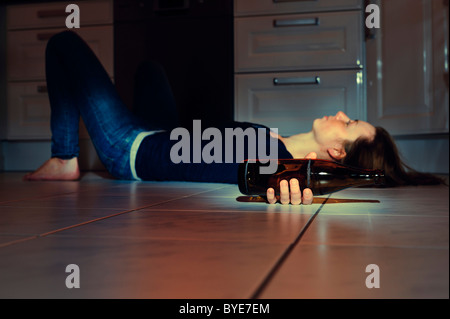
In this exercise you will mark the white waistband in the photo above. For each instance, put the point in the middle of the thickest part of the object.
(134, 149)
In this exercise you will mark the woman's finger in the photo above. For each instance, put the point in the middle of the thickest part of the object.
(311, 155)
(271, 198)
(284, 192)
(307, 196)
(296, 194)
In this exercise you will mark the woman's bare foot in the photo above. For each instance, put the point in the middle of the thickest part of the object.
(56, 169)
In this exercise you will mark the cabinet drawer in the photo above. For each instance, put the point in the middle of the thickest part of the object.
(306, 41)
(259, 7)
(291, 101)
(48, 15)
(26, 50)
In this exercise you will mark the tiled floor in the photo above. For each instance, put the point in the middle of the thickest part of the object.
(192, 240)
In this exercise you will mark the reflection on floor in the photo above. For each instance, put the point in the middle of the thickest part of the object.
(193, 240)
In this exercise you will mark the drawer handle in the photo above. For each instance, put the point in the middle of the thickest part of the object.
(42, 89)
(45, 36)
(44, 14)
(296, 23)
(315, 80)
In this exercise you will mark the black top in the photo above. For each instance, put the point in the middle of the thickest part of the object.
(153, 160)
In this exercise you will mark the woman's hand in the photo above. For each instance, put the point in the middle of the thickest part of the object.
(290, 192)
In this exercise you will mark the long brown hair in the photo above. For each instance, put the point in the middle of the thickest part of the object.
(382, 153)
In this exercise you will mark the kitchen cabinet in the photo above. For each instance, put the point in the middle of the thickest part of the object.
(299, 60)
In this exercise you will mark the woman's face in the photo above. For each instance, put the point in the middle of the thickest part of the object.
(331, 130)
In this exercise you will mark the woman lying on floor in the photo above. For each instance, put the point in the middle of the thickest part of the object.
(133, 150)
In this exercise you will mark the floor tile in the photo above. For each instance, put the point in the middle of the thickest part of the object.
(411, 200)
(339, 271)
(408, 244)
(6, 239)
(379, 230)
(134, 268)
(198, 240)
(38, 220)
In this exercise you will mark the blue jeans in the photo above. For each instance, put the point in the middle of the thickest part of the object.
(78, 85)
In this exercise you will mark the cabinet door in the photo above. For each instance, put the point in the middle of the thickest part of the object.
(28, 111)
(407, 68)
(298, 42)
(26, 50)
(292, 101)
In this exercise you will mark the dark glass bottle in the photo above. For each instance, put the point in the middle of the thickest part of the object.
(321, 176)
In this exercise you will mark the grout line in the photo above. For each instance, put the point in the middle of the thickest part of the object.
(286, 253)
(17, 241)
(36, 197)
